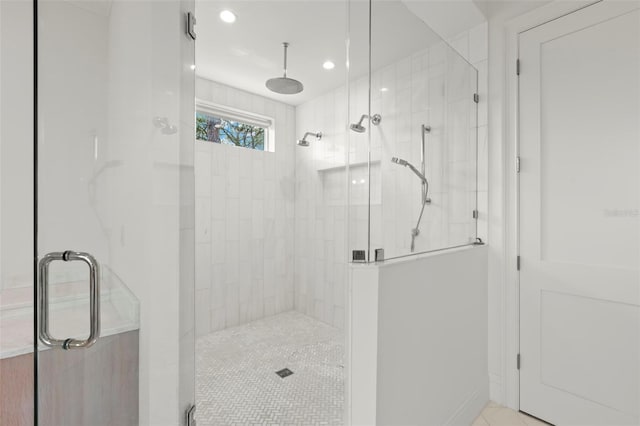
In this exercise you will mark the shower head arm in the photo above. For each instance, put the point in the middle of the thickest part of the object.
(286, 45)
(318, 135)
(375, 119)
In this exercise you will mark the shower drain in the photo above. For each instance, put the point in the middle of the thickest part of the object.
(285, 372)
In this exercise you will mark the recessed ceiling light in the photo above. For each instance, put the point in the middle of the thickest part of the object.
(228, 16)
(328, 65)
(384, 89)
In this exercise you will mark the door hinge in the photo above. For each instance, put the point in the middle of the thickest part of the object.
(476, 98)
(475, 214)
(518, 362)
(518, 164)
(191, 25)
(518, 262)
(517, 66)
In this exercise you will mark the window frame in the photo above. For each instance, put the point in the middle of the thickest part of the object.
(242, 116)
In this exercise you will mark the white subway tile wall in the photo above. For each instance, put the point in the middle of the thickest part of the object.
(244, 219)
(433, 87)
(321, 200)
(274, 225)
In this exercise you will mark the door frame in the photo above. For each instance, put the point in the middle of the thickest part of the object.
(508, 391)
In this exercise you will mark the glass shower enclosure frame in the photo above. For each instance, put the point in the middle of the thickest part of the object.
(97, 290)
(413, 144)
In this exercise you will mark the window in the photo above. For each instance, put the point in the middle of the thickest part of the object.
(229, 126)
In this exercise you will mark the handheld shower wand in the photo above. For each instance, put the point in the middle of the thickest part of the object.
(425, 183)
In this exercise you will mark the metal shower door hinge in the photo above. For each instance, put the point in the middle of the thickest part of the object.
(191, 25)
(518, 164)
(517, 66)
(518, 263)
(518, 362)
(379, 255)
(476, 98)
(475, 214)
(359, 256)
(191, 416)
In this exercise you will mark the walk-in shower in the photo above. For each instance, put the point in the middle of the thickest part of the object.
(359, 128)
(305, 142)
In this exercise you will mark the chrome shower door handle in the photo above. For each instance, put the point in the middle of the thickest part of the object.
(43, 300)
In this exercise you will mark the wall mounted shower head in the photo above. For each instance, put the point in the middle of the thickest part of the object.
(359, 128)
(305, 142)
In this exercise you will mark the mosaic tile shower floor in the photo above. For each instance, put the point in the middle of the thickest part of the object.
(237, 384)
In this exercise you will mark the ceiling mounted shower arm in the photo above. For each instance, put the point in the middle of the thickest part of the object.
(284, 85)
(286, 46)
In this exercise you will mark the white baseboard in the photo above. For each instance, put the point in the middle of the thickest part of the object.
(469, 409)
(496, 391)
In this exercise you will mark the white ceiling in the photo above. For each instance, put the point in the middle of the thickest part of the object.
(447, 18)
(248, 52)
(507, 9)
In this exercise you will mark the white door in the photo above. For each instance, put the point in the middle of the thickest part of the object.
(579, 217)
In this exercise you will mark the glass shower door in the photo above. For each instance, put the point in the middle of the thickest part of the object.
(88, 321)
(113, 196)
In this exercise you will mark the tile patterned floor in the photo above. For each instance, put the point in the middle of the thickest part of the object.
(237, 384)
(496, 415)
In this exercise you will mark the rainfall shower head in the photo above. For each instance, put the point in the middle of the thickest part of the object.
(305, 142)
(359, 128)
(284, 85)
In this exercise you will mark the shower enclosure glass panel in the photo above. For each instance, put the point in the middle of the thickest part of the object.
(422, 154)
(114, 239)
(357, 131)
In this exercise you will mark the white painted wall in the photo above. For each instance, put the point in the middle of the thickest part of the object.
(244, 218)
(421, 326)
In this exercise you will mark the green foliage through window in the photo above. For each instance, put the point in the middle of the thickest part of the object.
(220, 130)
